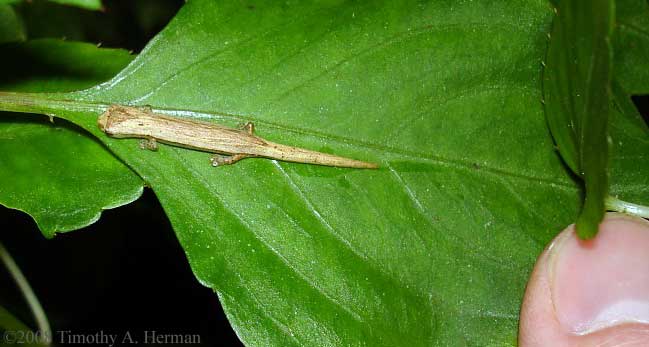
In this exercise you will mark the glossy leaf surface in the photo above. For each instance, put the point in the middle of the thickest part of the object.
(435, 247)
(54, 171)
(576, 87)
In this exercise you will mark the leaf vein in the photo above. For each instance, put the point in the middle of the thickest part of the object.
(198, 176)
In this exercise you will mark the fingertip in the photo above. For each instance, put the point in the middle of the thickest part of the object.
(596, 292)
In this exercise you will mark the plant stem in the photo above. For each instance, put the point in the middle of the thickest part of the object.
(28, 294)
(44, 103)
(54, 105)
(614, 204)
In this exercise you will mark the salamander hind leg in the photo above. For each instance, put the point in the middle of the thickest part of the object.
(149, 143)
(220, 160)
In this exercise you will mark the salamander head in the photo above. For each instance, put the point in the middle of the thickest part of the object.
(115, 116)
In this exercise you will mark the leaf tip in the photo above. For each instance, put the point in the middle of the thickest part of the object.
(586, 229)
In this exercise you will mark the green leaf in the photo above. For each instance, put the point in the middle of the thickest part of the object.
(122, 24)
(13, 329)
(9, 322)
(630, 150)
(631, 42)
(59, 175)
(11, 28)
(47, 65)
(432, 249)
(86, 4)
(576, 91)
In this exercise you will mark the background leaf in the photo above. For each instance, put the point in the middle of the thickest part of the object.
(86, 4)
(11, 28)
(576, 90)
(58, 175)
(125, 24)
(48, 65)
(630, 138)
(9, 322)
(631, 44)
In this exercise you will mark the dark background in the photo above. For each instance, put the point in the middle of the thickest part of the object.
(642, 103)
(126, 272)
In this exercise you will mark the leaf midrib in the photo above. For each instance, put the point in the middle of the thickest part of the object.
(45, 103)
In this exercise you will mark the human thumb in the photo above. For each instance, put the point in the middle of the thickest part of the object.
(590, 293)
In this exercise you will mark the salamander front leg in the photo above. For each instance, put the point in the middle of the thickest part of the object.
(220, 160)
(249, 128)
(145, 108)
